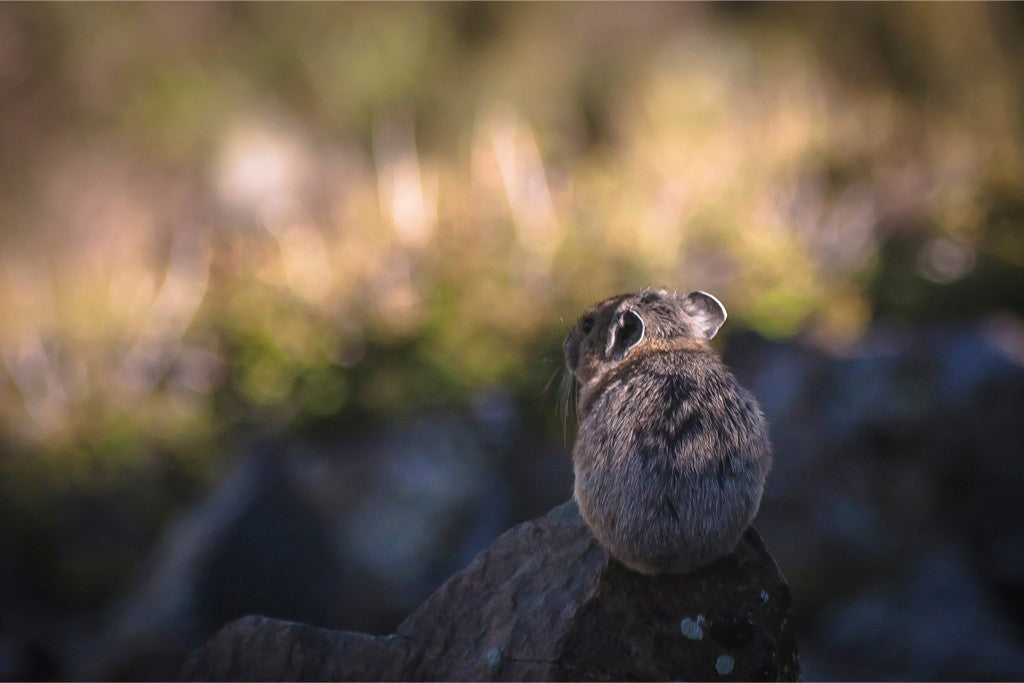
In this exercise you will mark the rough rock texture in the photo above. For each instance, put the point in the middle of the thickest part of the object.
(544, 602)
(257, 648)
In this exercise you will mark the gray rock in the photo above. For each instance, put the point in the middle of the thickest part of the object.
(939, 624)
(544, 602)
(258, 648)
(892, 454)
(293, 532)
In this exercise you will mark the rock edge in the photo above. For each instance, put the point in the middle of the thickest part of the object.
(544, 602)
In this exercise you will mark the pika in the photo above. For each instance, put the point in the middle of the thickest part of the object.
(672, 453)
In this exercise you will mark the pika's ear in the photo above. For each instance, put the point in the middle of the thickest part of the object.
(705, 310)
(627, 331)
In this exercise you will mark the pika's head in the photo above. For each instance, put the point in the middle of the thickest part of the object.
(613, 331)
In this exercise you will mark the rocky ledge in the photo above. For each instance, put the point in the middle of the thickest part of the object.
(544, 602)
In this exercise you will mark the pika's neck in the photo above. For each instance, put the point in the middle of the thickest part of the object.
(596, 385)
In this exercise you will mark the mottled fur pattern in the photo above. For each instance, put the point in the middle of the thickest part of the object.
(672, 452)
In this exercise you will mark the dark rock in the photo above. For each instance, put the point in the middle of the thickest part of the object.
(237, 552)
(902, 449)
(545, 602)
(257, 648)
(293, 532)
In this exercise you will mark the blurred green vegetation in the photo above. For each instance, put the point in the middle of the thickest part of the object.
(220, 218)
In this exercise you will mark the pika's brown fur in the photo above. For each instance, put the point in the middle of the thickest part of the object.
(672, 452)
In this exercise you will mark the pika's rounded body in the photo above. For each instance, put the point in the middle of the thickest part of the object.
(672, 453)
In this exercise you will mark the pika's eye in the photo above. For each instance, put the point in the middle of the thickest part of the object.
(587, 324)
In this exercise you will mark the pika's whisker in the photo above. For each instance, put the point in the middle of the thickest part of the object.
(567, 395)
(551, 380)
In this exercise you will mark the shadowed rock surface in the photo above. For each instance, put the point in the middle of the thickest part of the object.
(544, 602)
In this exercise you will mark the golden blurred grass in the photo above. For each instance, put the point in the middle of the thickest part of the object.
(224, 214)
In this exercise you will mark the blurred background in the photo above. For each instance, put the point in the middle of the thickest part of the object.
(283, 289)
